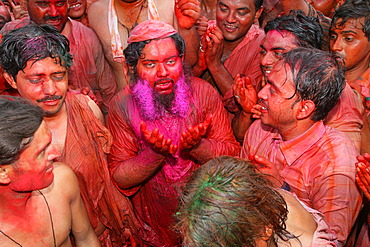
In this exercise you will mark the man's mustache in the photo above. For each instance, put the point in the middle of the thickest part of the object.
(165, 79)
(50, 98)
(52, 18)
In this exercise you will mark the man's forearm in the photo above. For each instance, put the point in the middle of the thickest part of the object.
(192, 40)
(134, 171)
(222, 78)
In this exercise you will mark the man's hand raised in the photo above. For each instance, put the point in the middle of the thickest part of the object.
(193, 135)
(187, 13)
(157, 142)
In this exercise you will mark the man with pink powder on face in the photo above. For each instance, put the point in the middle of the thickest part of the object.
(165, 124)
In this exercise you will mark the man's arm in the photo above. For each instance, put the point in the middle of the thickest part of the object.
(105, 77)
(128, 163)
(214, 52)
(82, 230)
(339, 200)
(219, 138)
(187, 14)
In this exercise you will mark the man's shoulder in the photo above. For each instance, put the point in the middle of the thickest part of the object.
(199, 84)
(81, 102)
(257, 128)
(336, 138)
(81, 30)
(98, 7)
(122, 99)
(62, 171)
(11, 25)
(98, 14)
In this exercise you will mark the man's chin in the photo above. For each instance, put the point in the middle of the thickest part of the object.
(52, 112)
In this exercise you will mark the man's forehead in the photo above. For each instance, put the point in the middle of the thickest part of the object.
(280, 38)
(280, 74)
(239, 4)
(164, 48)
(44, 66)
(354, 24)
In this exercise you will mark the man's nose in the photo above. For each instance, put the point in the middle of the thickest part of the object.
(162, 70)
(53, 10)
(336, 45)
(267, 59)
(53, 153)
(262, 94)
(231, 17)
(49, 87)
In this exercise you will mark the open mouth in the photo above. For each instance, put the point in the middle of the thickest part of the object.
(164, 85)
(230, 28)
(75, 6)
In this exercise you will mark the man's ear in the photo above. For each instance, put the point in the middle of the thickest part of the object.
(258, 14)
(4, 174)
(305, 109)
(10, 80)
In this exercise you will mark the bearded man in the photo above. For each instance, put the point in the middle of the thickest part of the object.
(154, 150)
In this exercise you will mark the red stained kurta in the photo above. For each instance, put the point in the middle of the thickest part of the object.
(155, 201)
(86, 142)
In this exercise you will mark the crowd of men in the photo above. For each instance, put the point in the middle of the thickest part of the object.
(184, 122)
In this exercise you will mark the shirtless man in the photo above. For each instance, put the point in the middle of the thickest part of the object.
(40, 199)
(113, 21)
(35, 59)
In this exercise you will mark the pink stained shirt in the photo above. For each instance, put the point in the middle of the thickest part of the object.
(245, 59)
(318, 166)
(346, 116)
(364, 83)
(155, 201)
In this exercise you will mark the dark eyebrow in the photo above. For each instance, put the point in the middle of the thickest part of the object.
(273, 84)
(274, 49)
(278, 48)
(349, 32)
(221, 3)
(154, 60)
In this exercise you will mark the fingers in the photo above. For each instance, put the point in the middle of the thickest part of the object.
(257, 111)
(173, 149)
(157, 141)
(189, 8)
(143, 128)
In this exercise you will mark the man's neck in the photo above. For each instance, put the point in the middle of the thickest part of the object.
(67, 28)
(126, 6)
(231, 45)
(356, 72)
(13, 203)
(294, 130)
